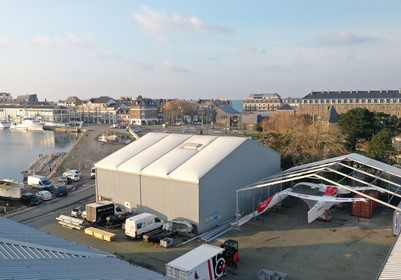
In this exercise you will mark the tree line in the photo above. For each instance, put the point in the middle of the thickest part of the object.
(300, 140)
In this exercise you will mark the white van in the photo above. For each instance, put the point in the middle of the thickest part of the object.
(41, 182)
(93, 173)
(138, 225)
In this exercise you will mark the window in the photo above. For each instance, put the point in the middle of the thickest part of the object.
(139, 225)
(157, 220)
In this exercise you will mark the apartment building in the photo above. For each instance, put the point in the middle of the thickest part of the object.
(143, 111)
(317, 103)
(262, 102)
(44, 113)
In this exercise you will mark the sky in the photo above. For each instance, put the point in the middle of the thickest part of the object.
(197, 49)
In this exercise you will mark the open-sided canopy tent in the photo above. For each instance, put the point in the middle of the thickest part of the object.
(184, 176)
(347, 171)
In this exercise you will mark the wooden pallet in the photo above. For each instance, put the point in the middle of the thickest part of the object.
(100, 234)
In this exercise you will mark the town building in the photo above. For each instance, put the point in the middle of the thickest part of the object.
(43, 113)
(317, 103)
(228, 117)
(262, 102)
(143, 111)
(292, 101)
(250, 120)
(27, 98)
(285, 109)
(193, 177)
(5, 97)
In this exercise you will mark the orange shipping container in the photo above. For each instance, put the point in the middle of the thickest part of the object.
(365, 209)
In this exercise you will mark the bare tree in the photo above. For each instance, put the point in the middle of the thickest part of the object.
(300, 141)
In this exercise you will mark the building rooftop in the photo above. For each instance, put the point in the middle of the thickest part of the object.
(182, 157)
(27, 253)
(353, 94)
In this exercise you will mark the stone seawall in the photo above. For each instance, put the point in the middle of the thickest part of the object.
(48, 164)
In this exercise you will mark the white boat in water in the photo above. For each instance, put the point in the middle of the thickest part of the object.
(28, 123)
(4, 124)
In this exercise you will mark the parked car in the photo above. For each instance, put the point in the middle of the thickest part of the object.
(74, 174)
(115, 125)
(60, 190)
(77, 211)
(63, 180)
(30, 199)
(93, 173)
(44, 195)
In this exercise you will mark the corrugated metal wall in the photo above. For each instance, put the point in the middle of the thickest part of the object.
(170, 199)
(247, 164)
(119, 187)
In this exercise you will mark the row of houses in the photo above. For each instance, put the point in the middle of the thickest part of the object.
(95, 110)
(321, 105)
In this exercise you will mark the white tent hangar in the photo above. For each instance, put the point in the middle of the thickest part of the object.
(347, 171)
(184, 176)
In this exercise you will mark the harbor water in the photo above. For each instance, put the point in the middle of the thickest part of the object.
(20, 149)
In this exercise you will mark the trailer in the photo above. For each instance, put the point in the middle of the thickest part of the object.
(156, 235)
(10, 189)
(204, 262)
(97, 212)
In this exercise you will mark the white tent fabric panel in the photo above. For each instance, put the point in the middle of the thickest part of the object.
(114, 160)
(205, 160)
(137, 163)
(176, 156)
(179, 156)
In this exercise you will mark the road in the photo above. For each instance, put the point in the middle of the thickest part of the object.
(41, 215)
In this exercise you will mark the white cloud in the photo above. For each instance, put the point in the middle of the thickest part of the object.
(251, 49)
(8, 41)
(167, 65)
(112, 57)
(70, 40)
(158, 23)
(269, 66)
(344, 38)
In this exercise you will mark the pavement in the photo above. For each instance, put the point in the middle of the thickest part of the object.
(347, 247)
(88, 149)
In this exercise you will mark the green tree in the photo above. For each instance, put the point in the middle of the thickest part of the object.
(259, 127)
(357, 124)
(381, 147)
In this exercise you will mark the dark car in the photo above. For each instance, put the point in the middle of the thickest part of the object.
(59, 190)
(30, 199)
(63, 180)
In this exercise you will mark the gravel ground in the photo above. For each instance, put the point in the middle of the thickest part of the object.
(88, 150)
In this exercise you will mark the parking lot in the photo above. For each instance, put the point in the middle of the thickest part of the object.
(346, 247)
